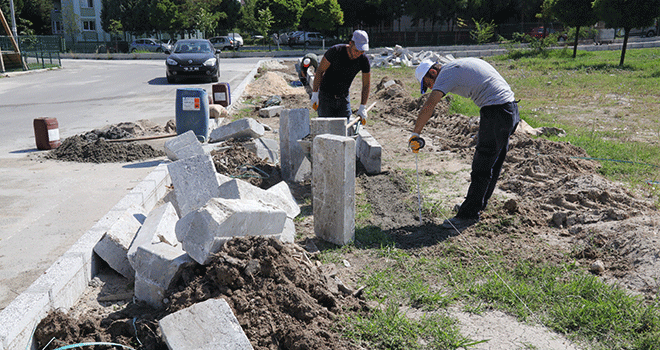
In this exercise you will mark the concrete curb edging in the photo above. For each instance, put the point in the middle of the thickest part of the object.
(66, 279)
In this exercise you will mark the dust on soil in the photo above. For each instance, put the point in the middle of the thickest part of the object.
(551, 207)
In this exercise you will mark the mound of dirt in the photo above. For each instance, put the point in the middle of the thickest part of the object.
(92, 147)
(234, 160)
(281, 299)
(79, 149)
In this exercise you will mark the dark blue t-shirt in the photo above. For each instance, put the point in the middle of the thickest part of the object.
(338, 77)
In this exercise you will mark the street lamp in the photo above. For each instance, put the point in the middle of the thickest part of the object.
(13, 19)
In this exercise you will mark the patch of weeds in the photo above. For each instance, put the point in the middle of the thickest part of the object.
(335, 255)
(372, 236)
(389, 328)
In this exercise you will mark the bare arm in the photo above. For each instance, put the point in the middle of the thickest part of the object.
(366, 84)
(323, 66)
(427, 110)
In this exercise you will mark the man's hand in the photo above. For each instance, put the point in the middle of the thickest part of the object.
(415, 142)
(362, 113)
(315, 100)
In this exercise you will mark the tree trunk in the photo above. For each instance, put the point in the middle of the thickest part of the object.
(577, 35)
(623, 48)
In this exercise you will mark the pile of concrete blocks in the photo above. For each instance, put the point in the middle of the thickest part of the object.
(202, 212)
(248, 128)
(399, 56)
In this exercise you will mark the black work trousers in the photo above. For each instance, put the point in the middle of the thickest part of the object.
(496, 124)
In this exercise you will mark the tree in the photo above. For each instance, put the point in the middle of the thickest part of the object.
(574, 13)
(285, 13)
(70, 22)
(37, 12)
(358, 13)
(627, 14)
(163, 15)
(248, 20)
(264, 22)
(322, 15)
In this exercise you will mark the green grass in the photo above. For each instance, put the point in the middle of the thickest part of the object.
(564, 298)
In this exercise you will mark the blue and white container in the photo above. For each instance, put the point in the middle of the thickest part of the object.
(192, 112)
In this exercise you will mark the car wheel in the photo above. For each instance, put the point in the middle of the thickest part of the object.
(214, 79)
(133, 50)
(650, 33)
(171, 79)
(159, 50)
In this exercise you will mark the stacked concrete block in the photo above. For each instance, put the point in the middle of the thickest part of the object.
(113, 246)
(239, 189)
(334, 126)
(18, 319)
(194, 180)
(294, 125)
(153, 187)
(207, 325)
(333, 188)
(204, 231)
(369, 152)
(270, 112)
(157, 227)
(243, 128)
(183, 146)
(264, 148)
(279, 196)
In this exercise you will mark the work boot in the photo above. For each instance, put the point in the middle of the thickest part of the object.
(459, 224)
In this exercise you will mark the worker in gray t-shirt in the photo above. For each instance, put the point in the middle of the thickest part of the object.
(475, 79)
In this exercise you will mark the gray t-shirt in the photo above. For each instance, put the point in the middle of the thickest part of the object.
(475, 79)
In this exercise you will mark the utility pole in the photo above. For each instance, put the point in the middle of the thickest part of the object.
(13, 19)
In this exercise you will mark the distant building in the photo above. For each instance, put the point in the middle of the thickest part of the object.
(78, 20)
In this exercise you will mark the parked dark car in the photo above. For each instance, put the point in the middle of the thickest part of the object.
(224, 43)
(192, 58)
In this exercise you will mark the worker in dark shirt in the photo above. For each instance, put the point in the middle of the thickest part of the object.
(339, 66)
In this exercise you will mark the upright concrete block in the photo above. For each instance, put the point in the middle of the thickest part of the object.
(369, 152)
(209, 325)
(194, 182)
(294, 125)
(239, 189)
(243, 128)
(334, 126)
(264, 148)
(113, 246)
(204, 231)
(333, 188)
(183, 146)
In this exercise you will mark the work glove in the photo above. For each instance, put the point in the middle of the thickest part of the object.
(362, 113)
(315, 100)
(415, 142)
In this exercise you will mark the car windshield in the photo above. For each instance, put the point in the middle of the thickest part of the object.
(192, 47)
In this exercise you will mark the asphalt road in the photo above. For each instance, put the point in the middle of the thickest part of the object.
(45, 206)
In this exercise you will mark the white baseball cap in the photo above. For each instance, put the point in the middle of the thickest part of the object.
(421, 71)
(306, 62)
(361, 40)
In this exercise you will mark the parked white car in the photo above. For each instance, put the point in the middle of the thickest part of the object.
(237, 38)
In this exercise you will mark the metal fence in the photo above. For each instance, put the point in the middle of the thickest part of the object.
(37, 51)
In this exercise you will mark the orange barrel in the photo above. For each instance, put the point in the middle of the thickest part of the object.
(46, 133)
(221, 94)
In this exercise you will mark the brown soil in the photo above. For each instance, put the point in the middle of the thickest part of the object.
(93, 146)
(551, 207)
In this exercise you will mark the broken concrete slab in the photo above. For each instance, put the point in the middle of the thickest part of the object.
(239, 189)
(369, 151)
(157, 227)
(204, 231)
(333, 188)
(334, 126)
(183, 146)
(209, 325)
(294, 125)
(156, 266)
(113, 246)
(242, 128)
(270, 112)
(265, 148)
(194, 183)
(217, 111)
